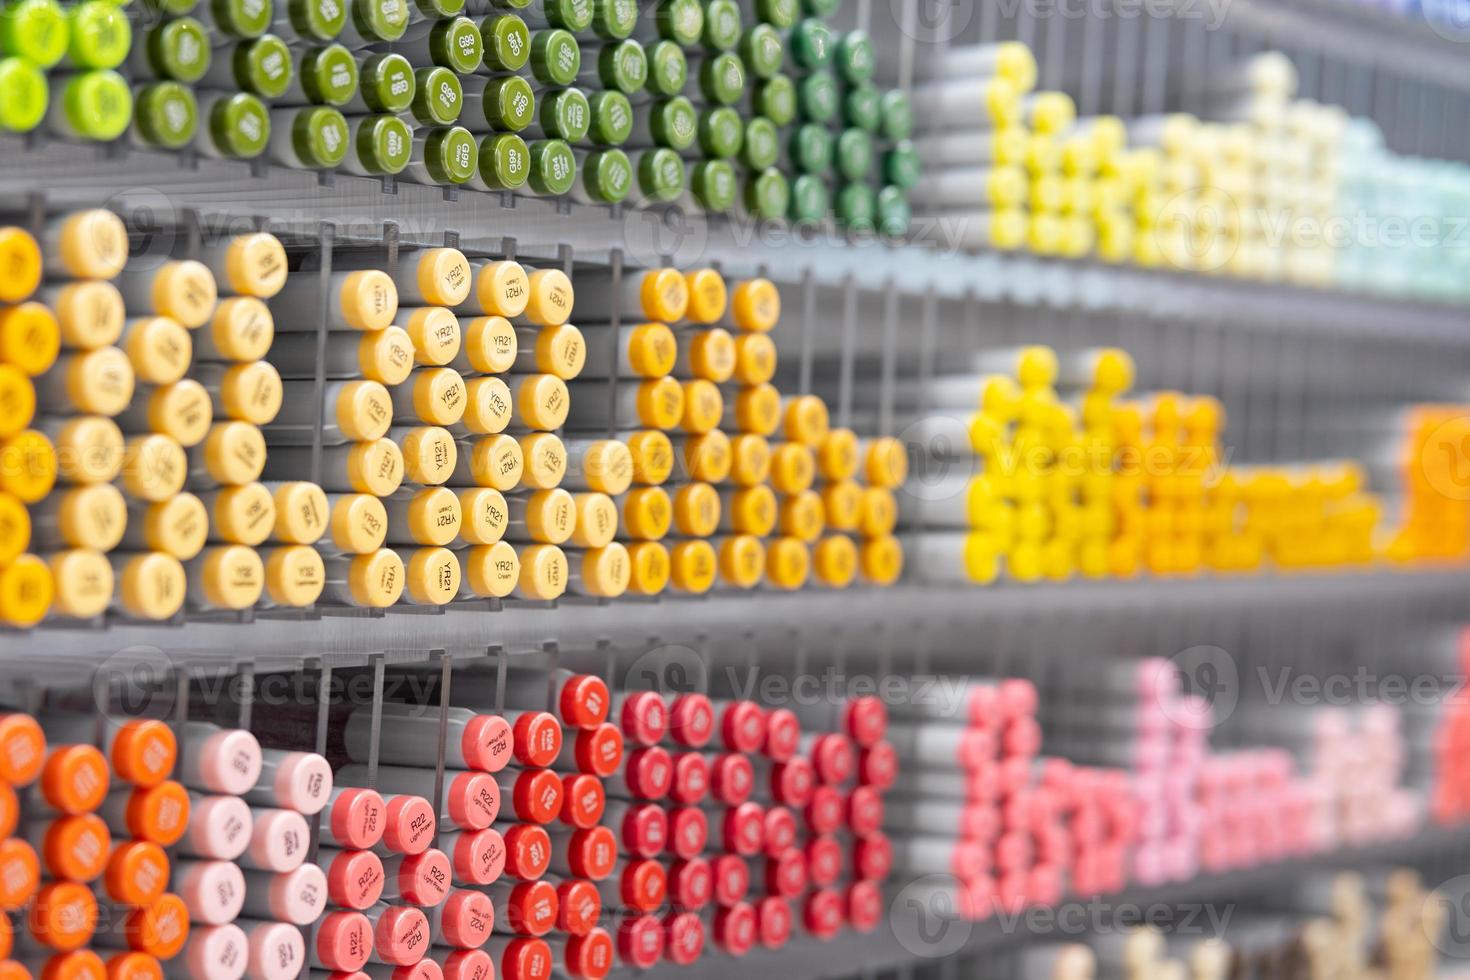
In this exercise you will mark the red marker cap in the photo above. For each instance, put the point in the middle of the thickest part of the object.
(878, 765)
(487, 743)
(401, 935)
(537, 738)
(526, 958)
(532, 908)
(872, 857)
(599, 750)
(832, 756)
(774, 915)
(640, 941)
(691, 720)
(579, 906)
(735, 928)
(786, 873)
(1015, 775)
(732, 878)
(422, 970)
(823, 860)
(645, 830)
(592, 853)
(691, 883)
(536, 796)
(409, 824)
(355, 879)
(783, 734)
(468, 918)
(423, 879)
(644, 717)
(643, 885)
(825, 812)
(527, 851)
(688, 831)
(590, 956)
(474, 800)
(732, 778)
(683, 937)
(743, 727)
(691, 778)
(479, 857)
(582, 800)
(22, 749)
(469, 964)
(792, 782)
(344, 940)
(865, 720)
(584, 701)
(865, 810)
(780, 830)
(864, 905)
(1016, 697)
(357, 818)
(649, 773)
(824, 913)
(744, 828)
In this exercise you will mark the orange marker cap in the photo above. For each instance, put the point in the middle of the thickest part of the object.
(160, 814)
(75, 848)
(22, 873)
(711, 354)
(22, 749)
(753, 510)
(18, 398)
(137, 873)
(9, 813)
(160, 929)
(63, 916)
(660, 403)
(81, 964)
(144, 751)
(134, 966)
(75, 778)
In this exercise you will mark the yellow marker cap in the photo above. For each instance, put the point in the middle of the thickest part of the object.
(693, 566)
(842, 504)
(487, 406)
(742, 560)
(497, 462)
(750, 460)
(1052, 112)
(294, 575)
(429, 455)
(159, 348)
(234, 452)
(443, 276)
(20, 264)
(151, 585)
(652, 350)
(707, 295)
(886, 463)
(242, 328)
(483, 513)
(696, 510)
(607, 465)
(1036, 366)
(756, 305)
(26, 589)
(154, 467)
(663, 295)
(376, 466)
(30, 337)
(359, 523)
(542, 400)
(835, 561)
(649, 568)
(89, 449)
(803, 515)
(596, 522)
(982, 558)
(251, 392)
(432, 576)
(711, 354)
(549, 302)
(182, 410)
(490, 344)
(1024, 562)
(806, 420)
(89, 313)
(606, 571)
(435, 334)
(255, 265)
(184, 290)
(546, 460)
(434, 516)
(386, 356)
(1008, 227)
(837, 455)
(653, 457)
(755, 358)
(15, 527)
(1000, 397)
(753, 510)
(368, 299)
(881, 559)
(1016, 64)
(880, 512)
(793, 467)
(492, 570)
(1005, 187)
(178, 526)
(438, 396)
(98, 381)
(363, 410)
(647, 513)
(84, 582)
(376, 579)
(301, 513)
(788, 562)
(550, 516)
(660, 403)
(560, 350)
(244, 514)
(543, 574)
(502, 288)
(93, 244)
(707, 457)
(758, 409)
(704, 406)
(27, 466)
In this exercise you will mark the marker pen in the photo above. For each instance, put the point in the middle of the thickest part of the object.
(598, 750)
(62, 917)
(590, 853)
(417, 879)
(250, 392)
(603, 571)
(244, 514)
(232, 453)
(374, 467)
(73, 779)
(495, 461)
(354, 879)
(141, 751)
(159, 929)
(86, 244)
(359, 299)
(579, 906)
(733, 928)
(136, 873)
(731, 778)
(642, 828)
(640, 941)
(410, 737)
(654, 404)
(385, 356)
(71, 848)
(429, 453)
(470, 800)
(225, 577)
(463, 921)
(478, 857)
(546, 516)
(213, 891)
(543, 573)
(354, 411)
(429, 516)
(536, 796)
(560, 351)
(23, 875)
(159, 349)
(183, 290)
(297, 897)
(159, 814)
(400, 934)
(344, 942)
(94, 382)
(528, 908)
(520, 957)
(134, 966)
(583, 800)
(434, 395)
(489, 346)
(216, 827)
(279, 840)
(647, 774)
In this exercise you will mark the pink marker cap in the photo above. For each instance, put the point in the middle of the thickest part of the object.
(732, 778)
(644, 717)
(640, 941)
(299, 896)
(219, 826)
(824, 860)
(355, 879)
(303, 782)
(213, 891)
(425, 969)
(645, 830)
(536, 796)
(410, 824)
(469, 964)
(983, 705)
(592, 853)
(215, 951)
(1012, 851)
(277, 951)
(865, 720)
(229, 761)
(688, 831)
(1021, 737)
(579, 906)
(584, 701)
(643, 885)
(872, 857)
(401, 936)
(968, 860)
(878, 765)
(486, 743)
(582, 800)
(344, 940)
(743, 727)
(864, 905)
(977, 747)
(1017, 697)
(824, 913)
(691, 778)
(590, 957)
(774, 914)
(865, 810)
(526, 958)
(691, 720)
(599, 750)
(744, 828)
(1015, 775)
(832, 756)
(423, 879)
(783, 734)
(825, 811)
(780, 829)
(357, 818)
(649, 773)
(691, 883)
(792, 782)
(280, 840)
(478, 857)
(531, 908)
(786, 873)
(735, 928)
(683, 937)
(467, 919)
(474, 800)
(732, 878)
(537, 738)
(527, 851)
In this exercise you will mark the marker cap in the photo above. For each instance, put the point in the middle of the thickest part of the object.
(865, 810)
(647, 513)
(693, 566)
(467, 920)
(63, 916)
(401, 935)
(690, 778)
(160, 814)
(159, 928)
(743, 828)
(359, 523)
(743, 726)
(590, 956)
(532, 908)
(537, 738)
(643, 885)
(653, 457)
(644, 830)
(429, 455)
(543, 572)
(537, 796)
(583, 800)
(664, 295)
(545, 460)
(599, 750)
(649, 568)
(758, 409)
(409, 825)
(649, 772)
(375, 467)
(872, 857)
(732, 778)
(344, 941)
(592, 853)
(780, 828)
(299, 896)
(234, 452)
(133, 966)
(696, 510)
(579, 905)
(734, 928)
(75, 848)
(23, 873)
(660, 403)
(640, 941)
(688, 831)
(355, 879)
(526, 958)
(74, 779)
(825, 810)
(644, 717)
(30, 337)
(528, 851)
(22, 749)
(584, 701)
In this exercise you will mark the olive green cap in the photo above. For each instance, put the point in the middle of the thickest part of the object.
(387, 83)
(263, 66)
(668, 68)
(780, 14)
(816, 97)
(811, 44)
(569, 15)
(721, 25)
(24, 95)
(319, 137)
(767, 195)
(761, 147)
(435, 9)
(862, 107)
(811, 149)
(614, 20)
(810, 199)
(384, 144)
(321, 20)
(329, 75)
(901, 165)
(99, 34)
(505, 162)
(854, 154)
(762, 51)
(612, 118)
(660, 174)
(240, 126)
(379, 20)
(509, 103)
(673, 122)
(856, 60)
(680, 21)
(454, 43)
(553, 167)
(450, 154)
(720, 132)
(722, 78)
(713, 184)
(894, 213)
(178, 49)
(857, 206)
(166, 114)
(623, 66)
(607, 176)
(98, 105)
(565, 115)
(775, 98)
(438, 96)
(898, 116)
(35, 30)
(506, 42)
(555, 57)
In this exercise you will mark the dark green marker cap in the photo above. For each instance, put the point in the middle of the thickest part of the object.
(263, 66)
(811, 149)
(668, 68)
(673, 122)
(505, 162)
(509, 103)
(816, 97)
(761, 147)
(435, 9)
(565, 115)
(612, 118)
(898, 116)
(780, 14)
(623, 66)
(166, 114)
(179, 49)
(680, 21)
(821, 8)
(856, 60)
(329, 75)
(767, 195)
(384, 144)
(454, 43)
(319, 137)
(720, 132)
(450, 154)
(775, 98)
(240, 126)
(553, 167)
(555, 57)
(854, 154)
(386, 82)
(862, 107)
(713, 184)
(613, 20)
(762, 50)
(660, 174)
(901, 165)
(569, 15)
(721, 25)
(438, 96)
(507, 42)
(722, 78)
(607, 176)
(857, 206)
(894, 213)
(811, 44)
(320, 20)
(810, 199)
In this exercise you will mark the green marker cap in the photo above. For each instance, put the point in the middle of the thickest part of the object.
(513, 4)
(857, 206)
(668, 68)
(98, 104)
(240, 126)
(435, 9)
(767, 195)
(321, 20)
(176, 8)
(509, 103)
(319, 137)
(821, 8)
(569, 15)
(811, 44)
(623, 66)
(680, 21)
(607, 176)
(565, 115)
(894, 213)
(387, 83)
(438, 97)
(166, 114)
(99, 34)
(721, 25)
(816, 97)
(451, 155)
(555, 57)
(762, 144)
(505, 163)
(901, 165)
(553, 167)
(713, 184)
(811, 149)
(329, 75)
(898, 116)
(775, 98)
(178, 49)
(263, 66)
(660, 174)
(722, 78)
(238, 18)
(379, 20)
(720, 132)
(862, 107)
(35, 30)
(506, 41)
(780, 14)
(856, 60)
(673, 123)
(454, 43)
(810, 199)
(612, 118)
(762, 50)
(614, 20)
(384, 144)
(854, 154)
(23, 95)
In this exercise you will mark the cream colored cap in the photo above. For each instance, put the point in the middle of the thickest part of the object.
(184, 290)
(363, 410)
(154, 467)
(606, 571)
(543, 574)
(92, 516)
(439, 396)
(242, 328)
(178, 526)
(742, 559)
(376, 466)
(487, 406)
(359, 523)
(368, 299)
(243, 515)
(560, 350)
(251, 392)
(151, 585)
(93, 244)
(89, 449)
(755, 358)
(90, 314)
(483, 515)
(596, 521)
(707, 457)
(160, 349)
(234, 452)
(433, 576)
(232, 576)
(549, 302)
(294, 575)
(443, 276)
(704, 406)
(696, 510)
(301, 513)
(497, 461)
(84, 582)
(546, 460)
(255, 265)
(542, 400)
(550, 516)
(607, 466)
(98, 381)
(490, 344)
(503, 288)
(182, 410)
(653, 457)
(376, 579)
(386, 355)
(435, 334)
(429, 455)
(664, 295)
(492, 570)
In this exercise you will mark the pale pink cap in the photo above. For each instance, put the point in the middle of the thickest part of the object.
(401, 936)
(280, 840)
(299, 896)
(410, 826)
(228, 761)
(219, 827)
(303, 782)
(277, 951)
(213, 891)
(217, 953)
